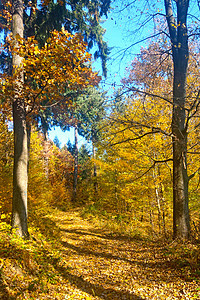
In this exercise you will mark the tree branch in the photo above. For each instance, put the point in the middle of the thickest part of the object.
(193, 174)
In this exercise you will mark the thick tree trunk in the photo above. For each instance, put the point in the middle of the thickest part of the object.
(74, 199)
(181, 226)
(180, 52)
(20, 176)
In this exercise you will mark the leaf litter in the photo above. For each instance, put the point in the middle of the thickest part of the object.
(86, 261)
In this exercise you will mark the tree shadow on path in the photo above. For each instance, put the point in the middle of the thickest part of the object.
(83, 251)
(96, 289)
(174, 266)
(98, 233)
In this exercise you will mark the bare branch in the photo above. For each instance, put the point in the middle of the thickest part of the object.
(139, 177)
(138, 42)
(193, 152)
(152, 166)
(133, 139)
(129, 4)
(133, 89)
(193, 174)
(163, 160)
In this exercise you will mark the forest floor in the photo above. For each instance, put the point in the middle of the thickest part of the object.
(80, 260)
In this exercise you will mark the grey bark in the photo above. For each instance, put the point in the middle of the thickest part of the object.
(20, 176)
(74, 199)
(180, 53)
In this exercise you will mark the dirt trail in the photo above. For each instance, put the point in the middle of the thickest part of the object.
(102, 266)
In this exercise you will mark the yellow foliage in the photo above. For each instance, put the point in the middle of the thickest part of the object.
(50, 181)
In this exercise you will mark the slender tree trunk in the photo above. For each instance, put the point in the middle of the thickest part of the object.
(151, 216)
(116, 196)
(159, 208)
(180, 53)
(95, 171)
(46, 154)
(162, 202)
(155, 178)
(75, 164)
(20, 176)
(159, 199)
(28, 130)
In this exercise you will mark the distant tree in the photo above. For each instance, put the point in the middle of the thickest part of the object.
(57, 142)
(86, 115)
(84, 162)
(85, 190)
(92, 113)
(70, 147)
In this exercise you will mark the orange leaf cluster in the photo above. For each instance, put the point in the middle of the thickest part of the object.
(62, 64)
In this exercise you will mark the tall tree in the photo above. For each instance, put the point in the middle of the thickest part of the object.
(176, 19)
(180, 53)
(20, 172)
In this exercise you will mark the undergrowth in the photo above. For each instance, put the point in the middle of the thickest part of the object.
(120, 223)
(29, 269)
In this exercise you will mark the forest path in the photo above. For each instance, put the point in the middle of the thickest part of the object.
(99, 265)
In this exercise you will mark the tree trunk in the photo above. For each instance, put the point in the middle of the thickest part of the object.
(75, 164)
(20, 176)
(95, 171)
(159, 199)
(28, 130)
(180, 53)
(46, 154)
